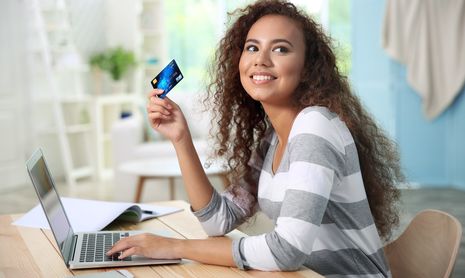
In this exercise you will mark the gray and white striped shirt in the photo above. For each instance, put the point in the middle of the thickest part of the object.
(317, 200)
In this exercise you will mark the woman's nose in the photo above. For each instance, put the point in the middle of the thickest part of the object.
(262, 59)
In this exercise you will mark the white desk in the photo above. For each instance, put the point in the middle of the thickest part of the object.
(164, 168)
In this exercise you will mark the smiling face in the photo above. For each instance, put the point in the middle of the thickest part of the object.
(272, 60)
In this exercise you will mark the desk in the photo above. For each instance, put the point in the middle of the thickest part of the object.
(166, 168)
(29, 252)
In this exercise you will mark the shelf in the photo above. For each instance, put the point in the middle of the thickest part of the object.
(57, 28)
(148, 42)
(151, 1)
(52, 9)
(79, 128)
(64, 99)
(151, 33)
(60, 108)
(77, 99)
(152, 67)
(82, 172)
(47, 130)
(54, 49)
(82, 68)
(110, 99)
(71, 129)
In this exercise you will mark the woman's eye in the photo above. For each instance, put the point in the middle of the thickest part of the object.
(251, 48)
(281, 49)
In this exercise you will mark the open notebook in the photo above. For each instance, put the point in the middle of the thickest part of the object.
(92, 215)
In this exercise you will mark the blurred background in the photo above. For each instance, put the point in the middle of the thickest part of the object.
(74, 75)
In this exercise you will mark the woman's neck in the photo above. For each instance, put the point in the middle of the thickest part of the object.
(281, 118)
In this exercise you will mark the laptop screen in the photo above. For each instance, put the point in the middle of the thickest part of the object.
(45, 188)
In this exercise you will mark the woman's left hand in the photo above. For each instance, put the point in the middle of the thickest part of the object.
(147, 245)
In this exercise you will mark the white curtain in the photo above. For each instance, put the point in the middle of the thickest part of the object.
(15, 121)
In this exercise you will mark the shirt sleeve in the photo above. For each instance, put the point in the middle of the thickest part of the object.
(221, 215)
(316, 160)
(228, 210)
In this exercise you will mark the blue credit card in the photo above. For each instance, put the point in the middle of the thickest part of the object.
(167, 78)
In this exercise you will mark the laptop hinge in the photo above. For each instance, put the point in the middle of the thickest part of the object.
(73, 249)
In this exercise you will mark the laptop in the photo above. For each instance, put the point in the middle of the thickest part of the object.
(78, 250)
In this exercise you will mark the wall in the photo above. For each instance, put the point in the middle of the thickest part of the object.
(432, 152)
(370, 65)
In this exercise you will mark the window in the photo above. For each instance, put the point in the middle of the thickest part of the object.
(194, 28)
(340, 30)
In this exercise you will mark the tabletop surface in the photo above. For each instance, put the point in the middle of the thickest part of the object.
(30, 252)
(167, 167)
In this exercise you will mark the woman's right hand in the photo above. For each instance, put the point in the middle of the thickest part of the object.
(166, 117)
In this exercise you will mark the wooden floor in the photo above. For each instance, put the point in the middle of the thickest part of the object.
(413, 200)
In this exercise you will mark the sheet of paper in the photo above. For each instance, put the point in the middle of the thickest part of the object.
(88, 215)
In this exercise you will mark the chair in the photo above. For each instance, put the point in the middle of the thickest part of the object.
(427, 248)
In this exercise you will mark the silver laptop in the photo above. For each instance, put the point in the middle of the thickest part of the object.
(78, 250)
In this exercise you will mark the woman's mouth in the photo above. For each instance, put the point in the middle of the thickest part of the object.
(262, 78)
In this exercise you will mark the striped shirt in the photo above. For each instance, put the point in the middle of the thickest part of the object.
(316, 199)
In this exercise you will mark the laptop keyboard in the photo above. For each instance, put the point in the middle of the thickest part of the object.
(94, 247)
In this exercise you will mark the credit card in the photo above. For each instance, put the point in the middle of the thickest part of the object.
(167, 78)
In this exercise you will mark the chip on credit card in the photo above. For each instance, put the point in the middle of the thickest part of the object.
(167, 78)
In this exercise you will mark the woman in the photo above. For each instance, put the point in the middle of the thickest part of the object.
(302, 150)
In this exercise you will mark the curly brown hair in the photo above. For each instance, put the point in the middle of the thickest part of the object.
(242, 121)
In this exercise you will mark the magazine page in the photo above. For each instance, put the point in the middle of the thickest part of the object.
(91, 215)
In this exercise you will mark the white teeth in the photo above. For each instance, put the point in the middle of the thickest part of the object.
(262, 77)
